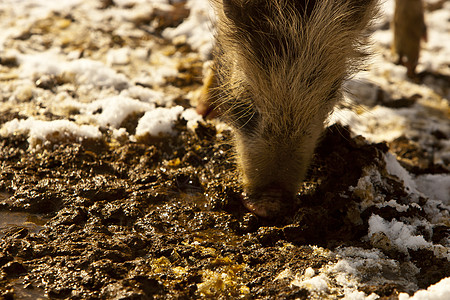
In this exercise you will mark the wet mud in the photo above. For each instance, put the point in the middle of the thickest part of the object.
(164, 220)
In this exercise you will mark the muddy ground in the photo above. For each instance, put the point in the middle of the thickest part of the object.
(162, 218)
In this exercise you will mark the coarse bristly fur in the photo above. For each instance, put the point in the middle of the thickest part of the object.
(279, 67)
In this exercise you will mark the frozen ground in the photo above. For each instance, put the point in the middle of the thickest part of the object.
(106, 69)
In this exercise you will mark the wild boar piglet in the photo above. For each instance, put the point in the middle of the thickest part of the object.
(278, 71)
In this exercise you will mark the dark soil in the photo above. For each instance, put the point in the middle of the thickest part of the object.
(163, 219)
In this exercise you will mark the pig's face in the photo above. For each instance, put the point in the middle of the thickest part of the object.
(274, 148)
(279, 68)
(273, 165)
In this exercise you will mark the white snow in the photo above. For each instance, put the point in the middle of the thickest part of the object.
(198, 28)
(40, 131)
(192, 117)
(394, 168)
(394, 204)
(435, 186)
(438, 291)
(88, 72)
(401, 235)
(146, 95)
(317, 283)
(113, 110)
(343, 277)
(118, 56)
(158, 122)
(377, 125)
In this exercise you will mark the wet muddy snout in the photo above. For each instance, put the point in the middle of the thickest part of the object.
(269, 202)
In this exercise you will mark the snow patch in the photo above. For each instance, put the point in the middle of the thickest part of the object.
(198, 27)
(86, 71)
(158, 122)
(114, 110)
(438, 291)
(394, 168)
(397, 235)
(40, 131)
(435, 186)
(401, 235)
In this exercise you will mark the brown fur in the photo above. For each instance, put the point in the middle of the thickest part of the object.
(280, 65)
(409, 28)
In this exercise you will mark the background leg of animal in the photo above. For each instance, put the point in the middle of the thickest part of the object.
(280, 65)
(409, 28)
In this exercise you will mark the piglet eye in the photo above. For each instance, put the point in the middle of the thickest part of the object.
(245, 117)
